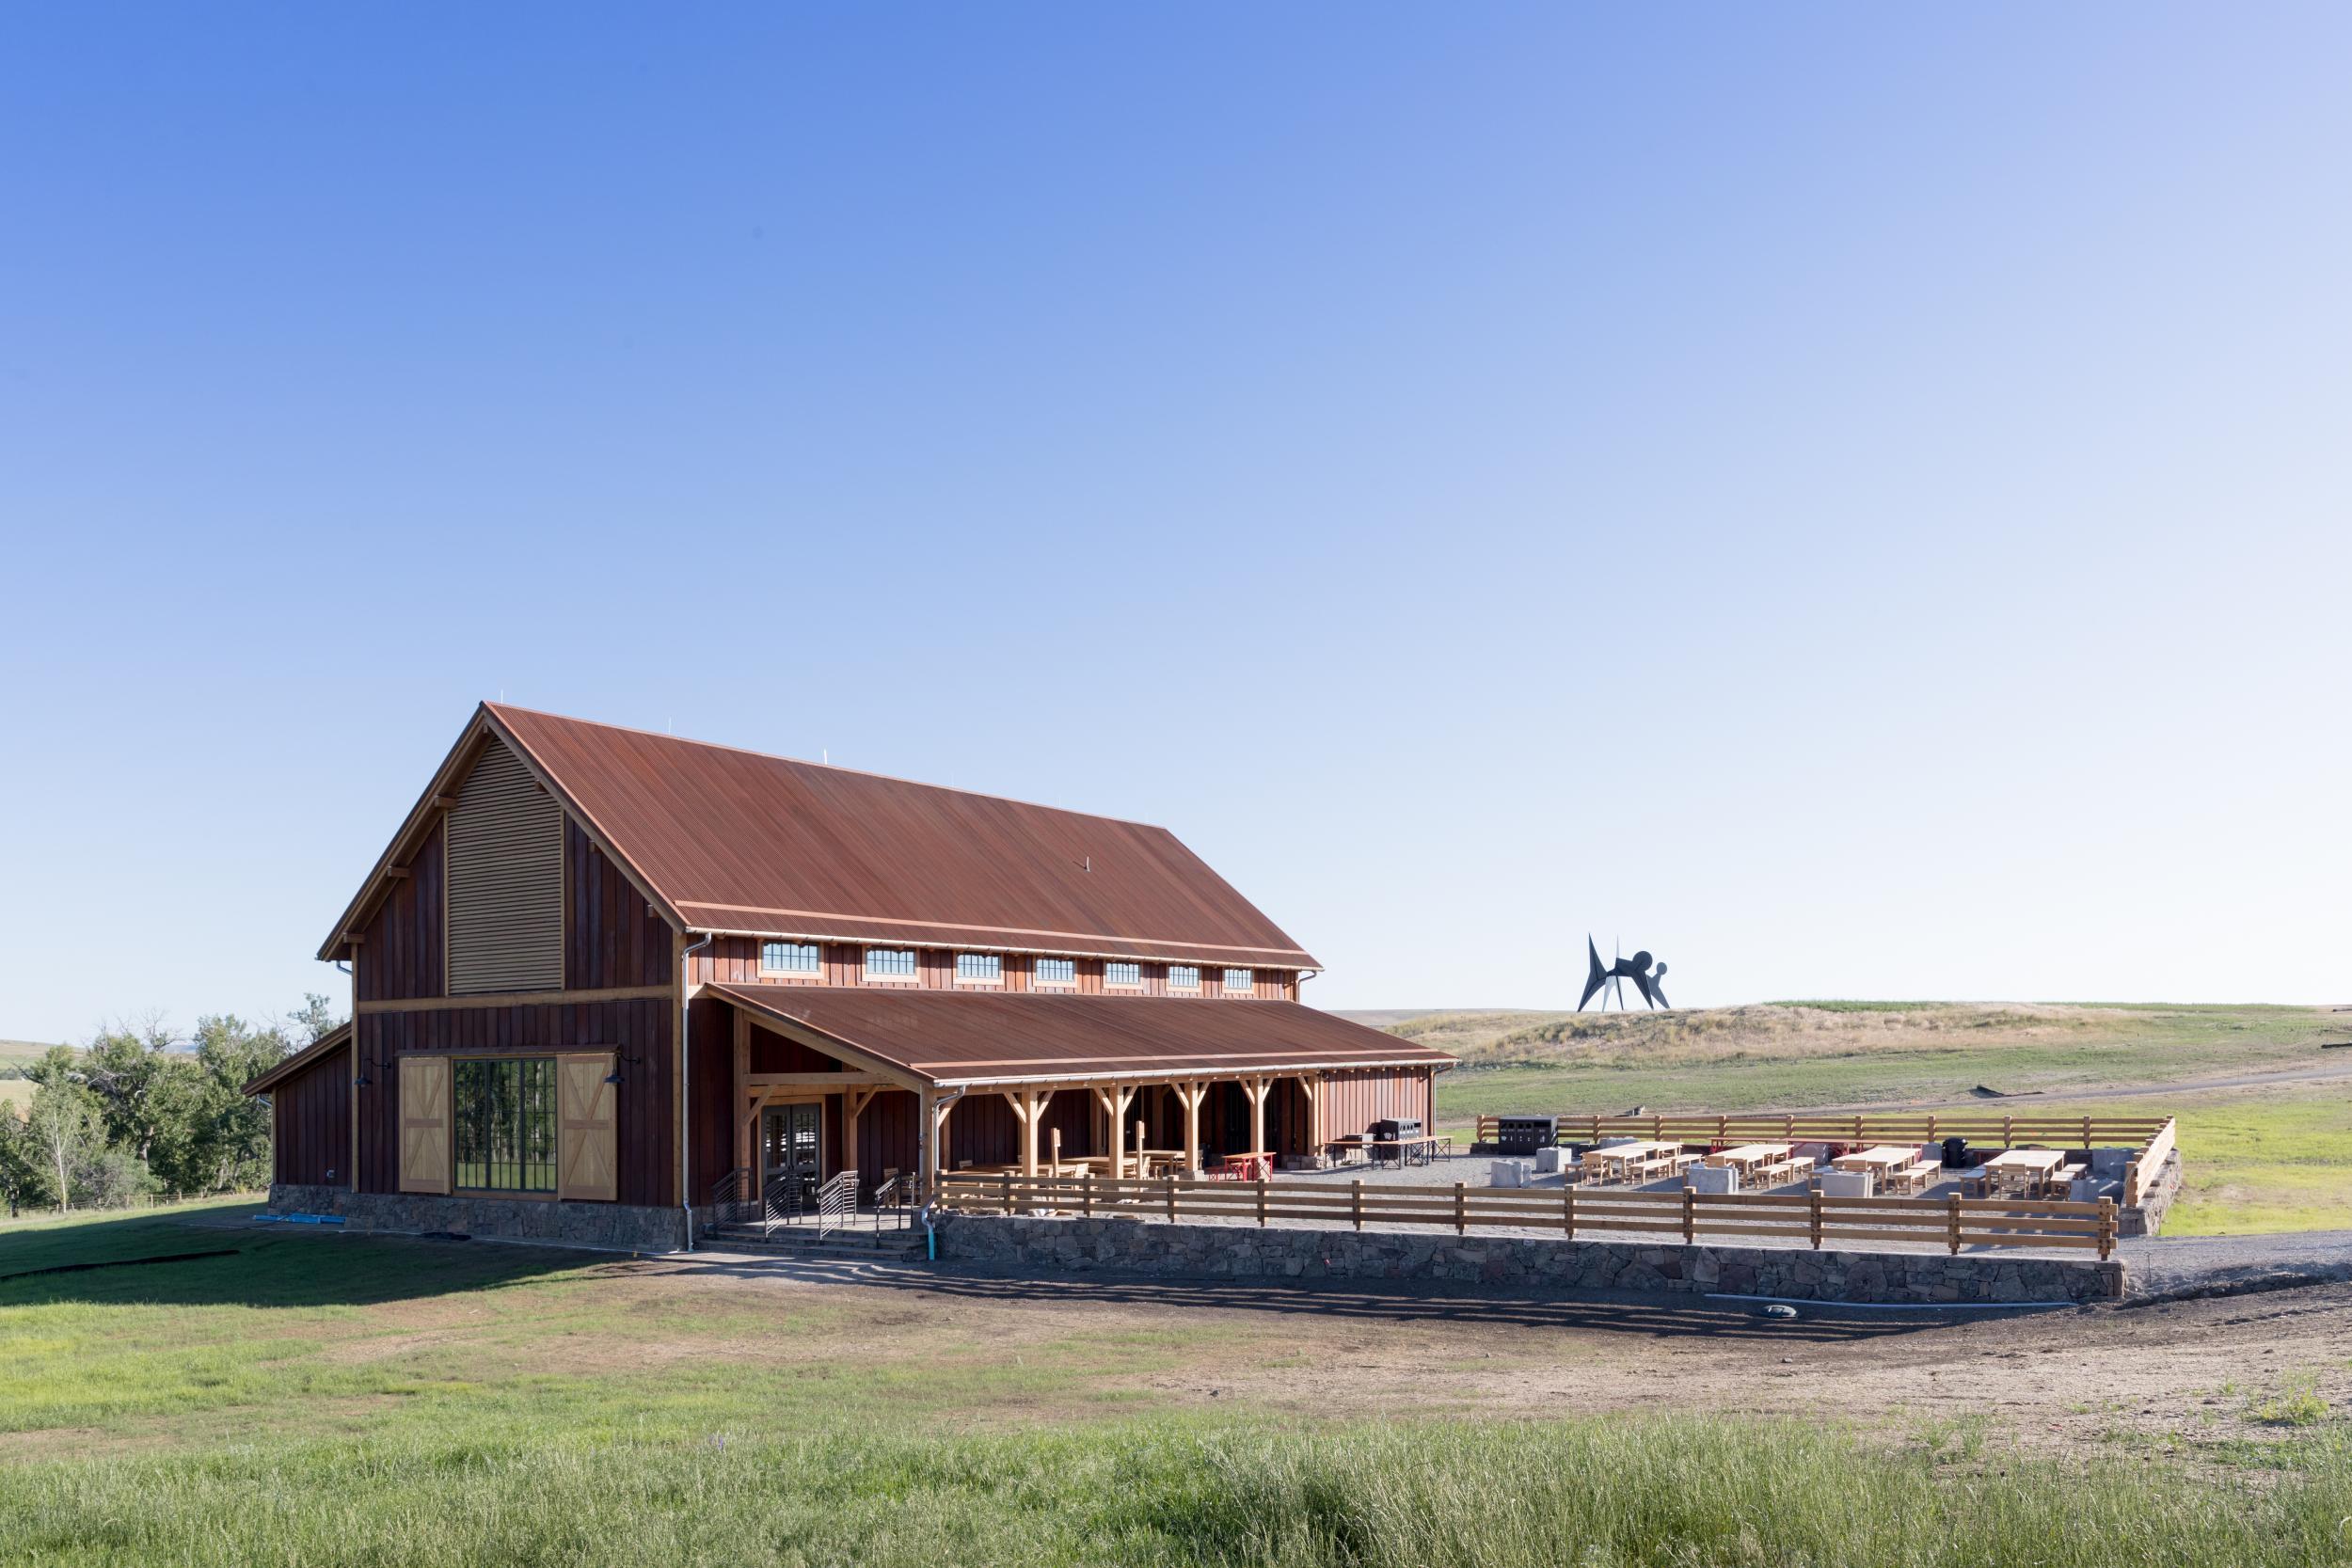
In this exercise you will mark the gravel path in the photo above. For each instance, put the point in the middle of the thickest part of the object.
(2159, 1266)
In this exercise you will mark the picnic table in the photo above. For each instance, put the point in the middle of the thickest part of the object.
(1410, 1151)
(1256, 1165)
(2019, 1170)
(1643, 1153)
(1883, 1161)
(1748, 1158)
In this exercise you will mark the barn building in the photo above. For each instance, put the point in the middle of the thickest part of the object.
(602, 978)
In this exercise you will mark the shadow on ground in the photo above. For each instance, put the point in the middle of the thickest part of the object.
(171, 1260)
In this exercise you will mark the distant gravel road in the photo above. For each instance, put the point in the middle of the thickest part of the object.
(2159, 1266)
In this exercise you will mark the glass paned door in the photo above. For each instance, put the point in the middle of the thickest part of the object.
(791, 1143)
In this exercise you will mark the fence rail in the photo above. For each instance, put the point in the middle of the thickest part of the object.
(1896, 1127)
(1954, 1222)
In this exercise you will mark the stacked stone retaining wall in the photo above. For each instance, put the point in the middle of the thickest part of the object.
(1126, 1244)
(620, 1226)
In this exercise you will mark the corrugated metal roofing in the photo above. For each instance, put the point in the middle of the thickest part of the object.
(740, 841)
(949, 1037)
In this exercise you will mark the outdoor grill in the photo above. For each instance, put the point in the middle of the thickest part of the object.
(1525, 1134)
(1391, 1140)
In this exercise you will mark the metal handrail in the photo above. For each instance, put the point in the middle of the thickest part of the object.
(836, 1199)
(730, 1195)
(896, 1196)
(781, 1202)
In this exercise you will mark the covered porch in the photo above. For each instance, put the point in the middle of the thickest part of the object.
(873, 1093)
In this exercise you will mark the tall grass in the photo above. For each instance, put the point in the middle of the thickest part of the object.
(1664, 1492)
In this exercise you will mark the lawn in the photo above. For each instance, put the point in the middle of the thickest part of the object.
(330, 1400)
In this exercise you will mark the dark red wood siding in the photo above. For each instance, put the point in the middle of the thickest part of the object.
(1353, 1100)
(640, 1031)
(310, 1123)
(612, 937)
(735, 960)
(401, 953)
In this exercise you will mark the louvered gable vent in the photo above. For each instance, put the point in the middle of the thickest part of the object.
(505, 838)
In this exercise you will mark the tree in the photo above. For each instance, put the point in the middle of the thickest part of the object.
(123, 1067)
(64, 1127)
(211, 1136)
(20, 1170)
(315, 1019)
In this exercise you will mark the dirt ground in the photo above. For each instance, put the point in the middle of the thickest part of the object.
(2232, 1368)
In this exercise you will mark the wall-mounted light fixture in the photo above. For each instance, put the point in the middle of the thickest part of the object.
(615, 1076)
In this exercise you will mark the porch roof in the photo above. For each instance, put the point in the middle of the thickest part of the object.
(950, 1038)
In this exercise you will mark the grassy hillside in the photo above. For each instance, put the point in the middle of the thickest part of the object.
(1807, 1053)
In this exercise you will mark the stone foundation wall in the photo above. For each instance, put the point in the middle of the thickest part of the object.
(613, 1225)
(1126, 1244)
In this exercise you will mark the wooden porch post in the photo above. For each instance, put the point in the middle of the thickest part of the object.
(1028, 1109)
(1113, 1104)
(1256, 1090)
(1191, 1091)
(1311, 1086)
(935, 1158)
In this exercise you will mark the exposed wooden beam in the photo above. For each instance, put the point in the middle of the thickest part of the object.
(517, 999)
(843, 1081)
(827, 1045)
(397, 873)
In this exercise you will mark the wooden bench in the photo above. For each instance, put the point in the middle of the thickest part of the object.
(1915, 1179)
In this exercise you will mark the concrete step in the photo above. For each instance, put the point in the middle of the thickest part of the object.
(794, 1241)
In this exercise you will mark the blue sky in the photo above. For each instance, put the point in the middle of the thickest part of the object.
(1854, 499)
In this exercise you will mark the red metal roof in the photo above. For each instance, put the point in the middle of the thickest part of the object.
(948, 1038)
(740, 841)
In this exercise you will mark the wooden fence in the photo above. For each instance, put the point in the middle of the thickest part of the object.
(2147, 1165)
(1954, 1222)
(1920, 1127)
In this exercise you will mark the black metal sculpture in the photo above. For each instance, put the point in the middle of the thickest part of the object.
(1650, 982)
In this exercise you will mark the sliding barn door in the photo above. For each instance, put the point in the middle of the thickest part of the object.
(586, 1163)
(424, 1140)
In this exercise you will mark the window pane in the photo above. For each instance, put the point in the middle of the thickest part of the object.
(1239, 980)
(1056, 972)
(1122, 975)
(789, 957)
(506, 1117)
(891, 961)
(1184, 978)
(979, 966)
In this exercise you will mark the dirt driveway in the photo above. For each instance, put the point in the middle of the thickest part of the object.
(2238, 1368)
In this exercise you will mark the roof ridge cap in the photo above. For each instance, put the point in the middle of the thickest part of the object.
(504, 708)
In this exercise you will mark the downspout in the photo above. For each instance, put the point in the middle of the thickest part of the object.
(685, 1086)
(930, 1199)
(351, 1151)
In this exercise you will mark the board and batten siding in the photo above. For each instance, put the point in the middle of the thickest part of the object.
(310, 1123)
(505, 892)
(735, 960)
(638, 1034)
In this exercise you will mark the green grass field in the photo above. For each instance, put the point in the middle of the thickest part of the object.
(323, 1400)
